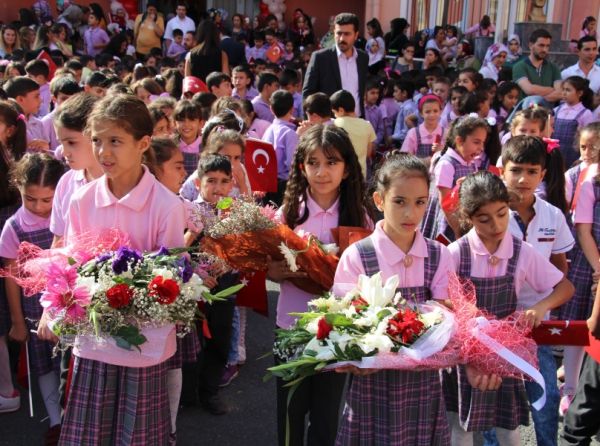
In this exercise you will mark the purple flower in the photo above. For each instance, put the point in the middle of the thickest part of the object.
(162, 252)
(104, 257)
(123, 257)
(185, 269)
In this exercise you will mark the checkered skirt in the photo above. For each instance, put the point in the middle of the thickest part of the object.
(112, 405)
(187, 351)
(5, 213)
(190, 162)
(40, 352)
(434, 222)
(564, 131)
(580, 273)
(508, 407)
(391, 406)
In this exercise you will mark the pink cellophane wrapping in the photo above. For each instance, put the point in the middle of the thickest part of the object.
(464, 346)
(32, 261)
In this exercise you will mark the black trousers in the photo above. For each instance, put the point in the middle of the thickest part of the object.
(320, 398)
(582, 420)
(214, 353)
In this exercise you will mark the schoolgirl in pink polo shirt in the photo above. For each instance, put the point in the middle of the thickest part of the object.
(426, 139)
(391, 406)
(70, 121)
(36, 176)
(499, 265)
(109, 403)
(325, 190)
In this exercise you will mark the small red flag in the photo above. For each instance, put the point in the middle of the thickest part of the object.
(274, 53)
(261, 165)
(43, 55)
(561, 333)
(494, 170)
(254, 293)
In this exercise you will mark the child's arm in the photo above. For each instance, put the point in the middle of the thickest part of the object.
(563, 291)
(593, 322)
(278, 271)
(18, 330)
(189, 238)
(560, 261)
(588, 245)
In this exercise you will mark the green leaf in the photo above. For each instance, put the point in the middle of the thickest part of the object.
(383, 313)
(224, 203)
(229, 291)
(71, 261)
(123, 343)
(337, 319)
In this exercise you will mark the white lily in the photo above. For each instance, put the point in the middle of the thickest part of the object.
(376, 294)
(372, 341)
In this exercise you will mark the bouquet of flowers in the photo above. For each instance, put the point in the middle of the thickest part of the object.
(107, 304)
(371, 327)
(246, 234)
(374, 327)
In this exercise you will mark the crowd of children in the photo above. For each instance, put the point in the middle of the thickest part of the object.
(95, 144)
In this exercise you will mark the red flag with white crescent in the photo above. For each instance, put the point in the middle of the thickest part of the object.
(43, 55)
(261, 165)
(561, 333)
(254, 293)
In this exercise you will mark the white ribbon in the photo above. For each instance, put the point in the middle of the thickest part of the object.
(512, 358)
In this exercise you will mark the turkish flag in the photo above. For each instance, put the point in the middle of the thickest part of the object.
(274, 53)
(493, 169)
(43, 55)
(261, 165)
(254, 293)
(561, 333)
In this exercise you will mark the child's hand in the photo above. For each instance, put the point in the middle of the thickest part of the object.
(535, 315)
(436, 147)
(210, 282)
(349, 368)
(303, 127)
(482, 381)
(594, 326)
(38, 145)
(18, 332)
(278, 271)
(239, 176)
(43, 331)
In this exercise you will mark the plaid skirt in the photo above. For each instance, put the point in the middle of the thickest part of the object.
(507, 407)
(112, 405)
(190, 162)
(580, 275)
(394, 407)
(40, 352)
(187, 351)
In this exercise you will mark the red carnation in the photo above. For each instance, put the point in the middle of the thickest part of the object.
(360, 304)
(165, 290)
(323, 329)
(119, 296)
(405, 326)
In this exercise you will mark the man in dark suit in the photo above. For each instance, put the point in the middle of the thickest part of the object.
(341, 67)
(236, 52)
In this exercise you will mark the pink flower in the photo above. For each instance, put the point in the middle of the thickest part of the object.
(270, 212)
(63, 294)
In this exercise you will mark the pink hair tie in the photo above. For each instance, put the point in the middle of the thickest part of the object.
(21, 117)
(428, 97)
(551, 144)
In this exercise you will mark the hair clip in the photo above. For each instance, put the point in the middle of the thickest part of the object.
(491, 121)
(551, 144)
(239, 119)
(21, 117)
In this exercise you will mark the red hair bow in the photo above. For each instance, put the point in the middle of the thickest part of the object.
(551, 144)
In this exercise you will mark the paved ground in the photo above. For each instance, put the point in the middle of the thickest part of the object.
(252, 417)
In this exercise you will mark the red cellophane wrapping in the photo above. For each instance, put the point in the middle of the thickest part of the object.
(248, 251)
(511, 332)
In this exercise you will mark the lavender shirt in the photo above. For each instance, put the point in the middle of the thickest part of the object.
(349, 75)
(256, 53)
(282, 134)
(407, 108)
(46, 97)
(374, 115)
(251, 93)
(262, 109)
(298, 111)
(93, 37)
(35, 129)
(49, 132)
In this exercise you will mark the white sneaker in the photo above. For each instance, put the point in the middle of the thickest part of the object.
(10, 404)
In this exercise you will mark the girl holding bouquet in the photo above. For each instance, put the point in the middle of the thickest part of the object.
(391, 406)
(36, 177)
(499, 265)
(325, 190)
(110, 404)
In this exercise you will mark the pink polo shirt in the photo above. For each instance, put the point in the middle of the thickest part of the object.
(29, 222)
(67, 185)
(150, 214)
(319, 223)
(443, 173)
(258, 128)
(410, 142)
(584, 210)
(193, 147)
(390, 258)
(532, 269)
